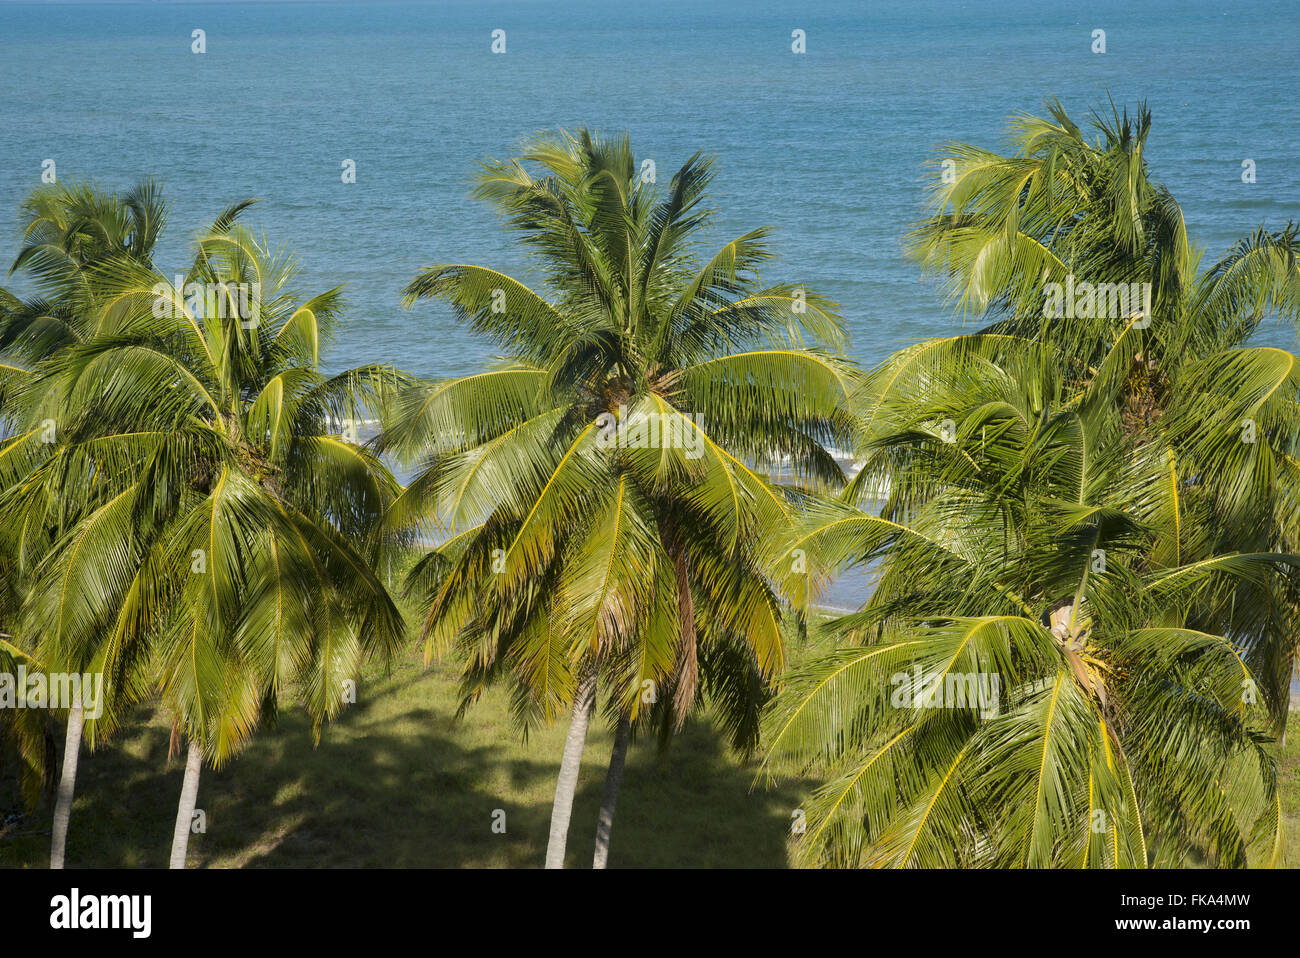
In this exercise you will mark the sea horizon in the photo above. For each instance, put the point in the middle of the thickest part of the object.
(288, 91)
(218, 127)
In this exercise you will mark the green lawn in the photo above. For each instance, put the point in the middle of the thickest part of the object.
(1289, 778)
(394, 783)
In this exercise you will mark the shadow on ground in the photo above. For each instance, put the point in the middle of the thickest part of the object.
(394, 784)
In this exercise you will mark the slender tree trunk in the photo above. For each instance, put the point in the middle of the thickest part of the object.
(1289, 679)
(566, 786)
(687, 676)
(67, 785)
(185, 810)
(613, 778)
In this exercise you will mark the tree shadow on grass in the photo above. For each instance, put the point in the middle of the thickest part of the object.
(394, 784)
(693, 805)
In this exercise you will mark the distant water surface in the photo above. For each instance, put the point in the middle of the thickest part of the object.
(826, 147)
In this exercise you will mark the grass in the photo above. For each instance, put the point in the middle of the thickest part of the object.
(394, 783)
(1288, 774)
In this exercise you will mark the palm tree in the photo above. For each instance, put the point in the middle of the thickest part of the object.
(613, 780)
(23, 731)
(71, 228)
(602, 487)
(228, 538)
(1082, 626)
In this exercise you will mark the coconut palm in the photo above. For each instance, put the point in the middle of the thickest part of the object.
(601, 490)
(226, 532)
(70, 228)
(1091, 514)
(23, 732)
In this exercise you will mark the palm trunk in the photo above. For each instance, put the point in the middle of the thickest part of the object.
(185, 810)
(566, 786)
(67, 785)
(686, 679)
(1289, 679)
(614, 778)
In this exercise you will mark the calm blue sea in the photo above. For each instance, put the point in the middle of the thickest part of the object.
(826, 147)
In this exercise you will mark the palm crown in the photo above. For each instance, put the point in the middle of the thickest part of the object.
(200, 518)
(1082, 628)
(601, 487)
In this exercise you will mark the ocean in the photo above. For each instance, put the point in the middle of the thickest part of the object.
(825, 146)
